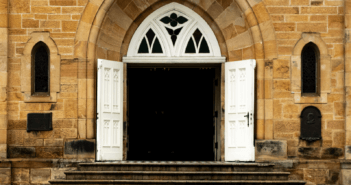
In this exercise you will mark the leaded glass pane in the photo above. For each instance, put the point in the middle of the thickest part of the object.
(150, 36)
(41, 70)
(157, 47)
(197, 36)
(143, 48)
(190, 48)
(309, 69)
(204, 46)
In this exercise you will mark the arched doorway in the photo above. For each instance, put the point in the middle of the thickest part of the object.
(176, 113)
(172, 54)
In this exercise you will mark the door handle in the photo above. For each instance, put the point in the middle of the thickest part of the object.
(247, 115)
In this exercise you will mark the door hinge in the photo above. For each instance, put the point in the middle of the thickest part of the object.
(216, 145)
(216, 82)
(216, 114)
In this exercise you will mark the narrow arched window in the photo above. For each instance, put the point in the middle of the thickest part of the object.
(310, 70)
(40, 69)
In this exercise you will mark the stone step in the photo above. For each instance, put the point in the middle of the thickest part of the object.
(179, 182)
(174, 175)
(176, 166)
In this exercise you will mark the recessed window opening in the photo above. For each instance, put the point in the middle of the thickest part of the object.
(40, 70)
(310, 70)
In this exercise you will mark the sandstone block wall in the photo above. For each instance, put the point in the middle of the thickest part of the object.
(84, 30)
(60, 19)
(291, 19)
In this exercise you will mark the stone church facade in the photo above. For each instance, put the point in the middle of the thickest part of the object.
(82, 37)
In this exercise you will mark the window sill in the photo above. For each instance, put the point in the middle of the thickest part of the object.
(323, 98)
(28, 98)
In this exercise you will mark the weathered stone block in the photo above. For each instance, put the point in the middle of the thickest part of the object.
(281, 85)
(69, 26)
(16, 136)
(312, 27)
(40, 175)
(19, 6)
(271, 149)
(53, 142)
(281, 69)
(335, 124)
(286, 126)
(71, 108)
(300, 2)
(80, 148)
(58, 173)
(346, 176)
(65, 133)
(32, 142)
(338, 139)
(49, 152)
(215, 10)
(309, 153)
(30, 23)
(46, 9)
(331, 153)
(63, 2)
(319, 10)
(283, 10)
(72, 10)
(317, 176)
(5, 176)
(49, 24)
(20, 175)
(21, 152)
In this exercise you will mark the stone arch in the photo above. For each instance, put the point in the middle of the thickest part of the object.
(310, 37)
(256, 15)
(99, 18)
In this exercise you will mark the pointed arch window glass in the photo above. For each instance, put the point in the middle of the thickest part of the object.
(197, 43)
(310, 72)
(40, 69)
(150, 43)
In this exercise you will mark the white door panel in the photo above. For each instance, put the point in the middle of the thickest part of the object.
(110, 110)
(239, 110)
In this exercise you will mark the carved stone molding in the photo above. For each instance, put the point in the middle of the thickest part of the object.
(26, 65)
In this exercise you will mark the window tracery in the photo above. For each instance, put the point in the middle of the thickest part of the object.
(198, 38)
(150, 43)
(174, 30)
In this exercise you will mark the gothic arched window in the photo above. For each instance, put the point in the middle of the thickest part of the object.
(309, 70)
(40, 69)
(174, 35)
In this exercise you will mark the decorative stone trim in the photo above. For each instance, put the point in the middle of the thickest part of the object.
(325, 69)
(26, 65)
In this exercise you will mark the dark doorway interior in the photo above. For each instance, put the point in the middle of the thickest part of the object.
(170, 114)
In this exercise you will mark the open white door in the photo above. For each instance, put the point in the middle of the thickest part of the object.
(239, 110)
(109, 110)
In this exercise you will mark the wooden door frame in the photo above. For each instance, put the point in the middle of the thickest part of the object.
(218, 101)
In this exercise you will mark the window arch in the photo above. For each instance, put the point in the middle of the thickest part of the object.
(173, 33)
(40, 40)
(310, 70)
(40, 73)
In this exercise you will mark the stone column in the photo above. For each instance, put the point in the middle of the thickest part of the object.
(3, 76)
(348, 78)
(82, 102)
(268, 95)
